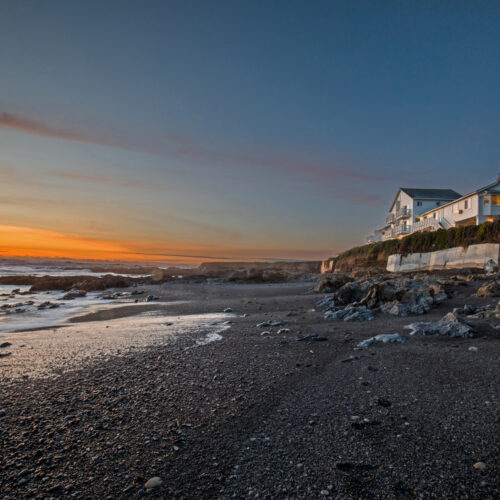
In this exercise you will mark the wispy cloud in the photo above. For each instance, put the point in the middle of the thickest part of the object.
(177, 145)
(100, 180)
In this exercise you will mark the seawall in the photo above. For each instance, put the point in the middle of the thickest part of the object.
(475, 256)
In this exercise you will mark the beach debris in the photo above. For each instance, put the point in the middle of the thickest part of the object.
(154, 482)
(283, 331)
(449, 325)
(384, 338)
(150, 298)
(473, 348)
(479, 466)
(265, 324)
(228, 310)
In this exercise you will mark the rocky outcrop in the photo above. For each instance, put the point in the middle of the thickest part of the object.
(449, 325)
(491, 289)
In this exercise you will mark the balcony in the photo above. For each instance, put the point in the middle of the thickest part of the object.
(402, 213)
(402, 229)
(388, 235)
(390, 219)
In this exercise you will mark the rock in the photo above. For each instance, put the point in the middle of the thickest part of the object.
(491, 266)
(479, 466)
(464, 271)
(73, 294)
(5, 354)
(150, 298)
(283, 331)
(348, 293)
(308, 338)
(154, 482)
(3, 413)
(331, 284)
(449, 325)
(491, 289)
(228, 310)
(265, 324)
(473, 348)
(384, 402)
(3, 345)
(381, 338)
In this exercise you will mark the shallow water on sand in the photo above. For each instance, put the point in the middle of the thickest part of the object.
(49, 352)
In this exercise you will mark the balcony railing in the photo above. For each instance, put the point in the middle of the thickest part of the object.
(388, 235)
(391, 218)
(426, 223)
(403, 213)
(402, 229)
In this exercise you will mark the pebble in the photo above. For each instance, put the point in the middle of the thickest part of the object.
(479, 466)
(154, 482)
(5, 344)
(473, 348)
(228, 310)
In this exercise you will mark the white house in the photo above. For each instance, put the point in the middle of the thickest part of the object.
(408, 205)
(479, 206)
(431, 209)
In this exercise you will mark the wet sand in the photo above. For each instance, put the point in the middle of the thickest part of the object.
(249, 416)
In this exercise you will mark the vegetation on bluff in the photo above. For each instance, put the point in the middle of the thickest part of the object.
(426, 241)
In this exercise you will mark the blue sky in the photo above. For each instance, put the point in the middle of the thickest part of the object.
(240, 129)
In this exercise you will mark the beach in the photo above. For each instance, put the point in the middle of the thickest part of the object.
(215, 407)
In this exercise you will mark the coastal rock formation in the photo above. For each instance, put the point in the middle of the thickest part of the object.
(449, 325)
(489, 290)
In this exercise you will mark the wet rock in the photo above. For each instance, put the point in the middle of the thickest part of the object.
(308, 338)
(228, 310)
(151, 298)
(5, 354)
(383, 338)
(464, 271)
(3, 345)
(449, 325)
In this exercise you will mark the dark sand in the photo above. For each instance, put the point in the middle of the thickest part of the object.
(247, 416)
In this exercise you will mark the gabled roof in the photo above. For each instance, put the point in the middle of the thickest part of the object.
(428, 194)
(485, 188)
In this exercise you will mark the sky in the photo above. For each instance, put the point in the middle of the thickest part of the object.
(185, 131)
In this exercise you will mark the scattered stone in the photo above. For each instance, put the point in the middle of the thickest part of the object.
(150, 298)
(473, 348)
(5, 354)
(384, 338)
(154, 482)
(479, 466)
(3, 345)
(283, 331)
(228, 310)
(384, 402)
(308, 338)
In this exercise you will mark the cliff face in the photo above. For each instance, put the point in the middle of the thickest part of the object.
(361, 262)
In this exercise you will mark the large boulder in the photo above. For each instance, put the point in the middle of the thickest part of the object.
(349, 293)
(449, 325)
(332, 283)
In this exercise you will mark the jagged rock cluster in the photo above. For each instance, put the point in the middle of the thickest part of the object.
(357, 299)
(450, 325)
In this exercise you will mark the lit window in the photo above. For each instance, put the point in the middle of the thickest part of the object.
(486, 200)
(495, 199)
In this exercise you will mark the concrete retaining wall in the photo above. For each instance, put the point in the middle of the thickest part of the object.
(474, 256)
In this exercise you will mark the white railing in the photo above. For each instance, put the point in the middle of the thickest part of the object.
(403, 212)
(445, 223)
(402, 229)
(426, 223)
(388, 235)
(390, 219)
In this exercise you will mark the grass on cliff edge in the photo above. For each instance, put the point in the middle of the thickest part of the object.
(429, 241)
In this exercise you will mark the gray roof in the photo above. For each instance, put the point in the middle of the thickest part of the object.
(432, 194)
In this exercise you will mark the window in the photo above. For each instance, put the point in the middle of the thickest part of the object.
(495, 199)
(486, 200)
(466, 204)
(419, 203)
